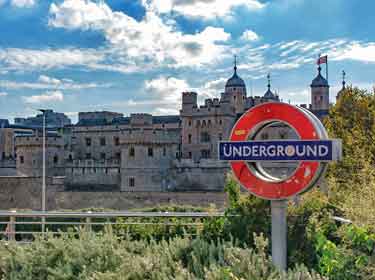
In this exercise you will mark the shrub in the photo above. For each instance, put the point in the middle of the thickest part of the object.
(93, 256)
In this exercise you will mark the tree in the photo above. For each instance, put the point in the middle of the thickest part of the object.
(352, 180)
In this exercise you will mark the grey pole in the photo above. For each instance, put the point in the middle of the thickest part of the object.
(279, 233)
(44, 171)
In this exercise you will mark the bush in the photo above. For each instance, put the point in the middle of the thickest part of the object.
(93, 256)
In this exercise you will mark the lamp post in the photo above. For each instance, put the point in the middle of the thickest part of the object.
(44, 169)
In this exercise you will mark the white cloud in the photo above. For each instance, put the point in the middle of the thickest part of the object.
(46, 82)
(2, 93)
(167, 89)
(357, 51)
(23, 3)
(212, 88)
(204, 9)
(31, 59)
(49, 96)
(151, 40)
(249, 35)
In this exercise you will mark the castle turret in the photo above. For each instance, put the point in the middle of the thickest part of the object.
(30, 155)
(235, 91)
(319, 93)
(343, 86)
(269, 95)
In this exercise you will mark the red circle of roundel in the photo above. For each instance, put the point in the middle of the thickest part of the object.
(304, 173)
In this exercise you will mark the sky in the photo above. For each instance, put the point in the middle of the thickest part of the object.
(132, 56)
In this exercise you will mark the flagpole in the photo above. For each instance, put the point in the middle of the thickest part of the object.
(327, 68)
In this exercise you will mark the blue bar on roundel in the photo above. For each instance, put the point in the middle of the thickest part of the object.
(281, 150)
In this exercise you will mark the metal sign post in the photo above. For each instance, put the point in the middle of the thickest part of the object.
(279, 233)
(312, 152)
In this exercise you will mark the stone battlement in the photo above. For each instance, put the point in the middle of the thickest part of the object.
(33, 141)
(140, 119)
(150, 136)
(90, 163)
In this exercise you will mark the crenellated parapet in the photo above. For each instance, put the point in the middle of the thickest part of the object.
(35, 141)
(150, 136)
(140, 119)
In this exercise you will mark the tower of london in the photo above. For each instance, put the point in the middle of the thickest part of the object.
(108, 151)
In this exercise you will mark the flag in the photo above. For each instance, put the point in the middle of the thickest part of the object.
(322, 60)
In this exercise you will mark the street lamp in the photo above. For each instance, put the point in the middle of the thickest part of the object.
(44, 169)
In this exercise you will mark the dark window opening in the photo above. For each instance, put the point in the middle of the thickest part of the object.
(70, 158)
(131, 152)
(88, 142)
(164, 151)
(55, 159)
(131, 182)
(118, 155)
(150, 152)
(22, 160)
(190, 155)
(282, 134)
(102, 156)
(220, 136)
(117, 141)
(205, 137)
(205, 153)
(189, 139)
(102, 141)
(88, 156)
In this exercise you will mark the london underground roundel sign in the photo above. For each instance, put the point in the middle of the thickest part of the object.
(312, 151)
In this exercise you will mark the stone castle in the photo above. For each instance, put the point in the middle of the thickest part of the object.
(106, 151)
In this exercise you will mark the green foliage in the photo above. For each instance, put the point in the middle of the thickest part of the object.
(352, 257)
(93, 256)
(313, 212)
(245, 215)
(352, 180)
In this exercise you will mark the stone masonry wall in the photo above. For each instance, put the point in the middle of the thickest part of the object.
(25, 193)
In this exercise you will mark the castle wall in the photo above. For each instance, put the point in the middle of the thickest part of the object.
(25, 193)
(94, 142)
(207, 175)
(93, 175)
(146, 158)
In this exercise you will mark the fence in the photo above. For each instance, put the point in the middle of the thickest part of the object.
(23, 226)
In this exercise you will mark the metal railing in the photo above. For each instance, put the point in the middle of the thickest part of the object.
(16, 225)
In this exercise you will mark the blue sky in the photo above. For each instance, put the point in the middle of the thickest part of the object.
(139, 55)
